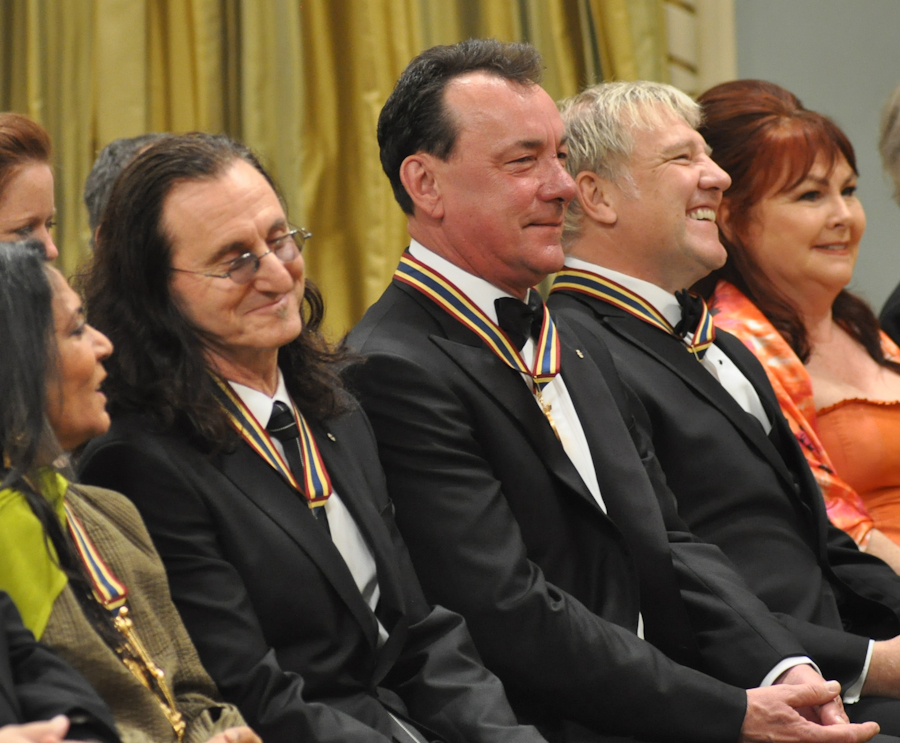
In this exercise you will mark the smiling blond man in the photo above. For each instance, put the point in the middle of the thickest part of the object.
(642, 229)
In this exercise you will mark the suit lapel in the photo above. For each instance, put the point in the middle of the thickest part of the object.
(274, 497)
(508, 390)
(351, 484)
(672, 354)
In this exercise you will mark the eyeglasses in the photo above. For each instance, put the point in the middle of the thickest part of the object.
(286, 248)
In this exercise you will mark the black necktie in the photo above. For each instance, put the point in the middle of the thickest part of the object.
(518, 320)
(283, 426)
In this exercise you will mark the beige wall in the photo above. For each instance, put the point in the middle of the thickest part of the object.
(841, 57)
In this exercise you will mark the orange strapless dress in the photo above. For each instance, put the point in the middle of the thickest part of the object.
(862, 437)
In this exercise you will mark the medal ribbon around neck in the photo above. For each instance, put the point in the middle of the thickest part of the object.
(316, 485)
(449, 297)
(606, 290)
(108, 589)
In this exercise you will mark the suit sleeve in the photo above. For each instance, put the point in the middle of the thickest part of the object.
(213, 600)
(439, 674)
(46, 686)
(469, 553)
(740, 640)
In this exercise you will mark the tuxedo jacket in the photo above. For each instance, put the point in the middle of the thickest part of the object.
(37, 685)
(750, 493)
(502, 529)
(268, 600)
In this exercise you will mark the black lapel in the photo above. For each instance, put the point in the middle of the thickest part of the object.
(506, 387)
(673, 354)
(350, 482)
(274, 497)
(789, 448)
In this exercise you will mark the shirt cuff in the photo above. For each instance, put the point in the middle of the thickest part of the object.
(787, 663)
(853, 692)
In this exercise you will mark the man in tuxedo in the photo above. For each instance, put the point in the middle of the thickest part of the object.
(642, 228)
(256, 474)
(528, 497)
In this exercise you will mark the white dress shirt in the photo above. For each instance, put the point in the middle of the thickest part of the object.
(344, 532)
(568, 426)
(571, 434)
(717, 363)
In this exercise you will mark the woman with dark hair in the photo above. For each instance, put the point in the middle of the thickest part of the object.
(76, 560)
(791, 224)
(27, 208)
(257, 474)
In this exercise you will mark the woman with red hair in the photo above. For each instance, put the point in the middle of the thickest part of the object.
(27, 208)
(791, 224)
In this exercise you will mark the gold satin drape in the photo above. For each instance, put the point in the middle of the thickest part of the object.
(300, 81)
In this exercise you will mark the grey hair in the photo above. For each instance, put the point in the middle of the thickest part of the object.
(889, 141)
(600, 123)
(109, 163)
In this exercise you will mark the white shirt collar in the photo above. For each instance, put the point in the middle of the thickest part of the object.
(259, 403)
(665, 303)
(480, 291)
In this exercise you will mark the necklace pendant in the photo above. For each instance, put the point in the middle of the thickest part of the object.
(136, 658)
(545, 409)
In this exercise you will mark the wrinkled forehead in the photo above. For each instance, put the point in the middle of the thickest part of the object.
(481, 105)
(651, 131)
(64, 299)
(655, 116)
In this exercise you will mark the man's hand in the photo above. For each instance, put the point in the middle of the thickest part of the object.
(772, 715)
(883, 679)
(232, 735)
(831, 713)
(51, 731)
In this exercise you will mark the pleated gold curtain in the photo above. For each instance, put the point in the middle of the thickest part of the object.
(300, 81)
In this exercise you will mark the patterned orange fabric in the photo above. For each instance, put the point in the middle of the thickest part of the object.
(736, 314)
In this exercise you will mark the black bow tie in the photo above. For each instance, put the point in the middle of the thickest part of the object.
(691, 312)
(518, 320)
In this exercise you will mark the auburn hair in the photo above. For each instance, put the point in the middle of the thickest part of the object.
(764, 138)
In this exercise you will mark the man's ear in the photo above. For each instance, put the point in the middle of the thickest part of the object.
(596, 196)
(417, 174)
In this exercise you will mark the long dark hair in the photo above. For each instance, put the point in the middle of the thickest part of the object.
(26, 337)
(764, 138)
(159, 367)
(27, 442)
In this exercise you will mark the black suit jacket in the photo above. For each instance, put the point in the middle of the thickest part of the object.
(751, 494)
(37, 685)
(271, 605)
(502, 529)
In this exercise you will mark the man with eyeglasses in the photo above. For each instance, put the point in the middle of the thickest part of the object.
(257, 474)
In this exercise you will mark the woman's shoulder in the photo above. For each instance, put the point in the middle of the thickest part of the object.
(29, 572)
(111, 514)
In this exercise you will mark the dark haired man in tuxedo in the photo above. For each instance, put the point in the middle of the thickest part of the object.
(526, 493)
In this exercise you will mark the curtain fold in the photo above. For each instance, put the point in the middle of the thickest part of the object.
(300, 81)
